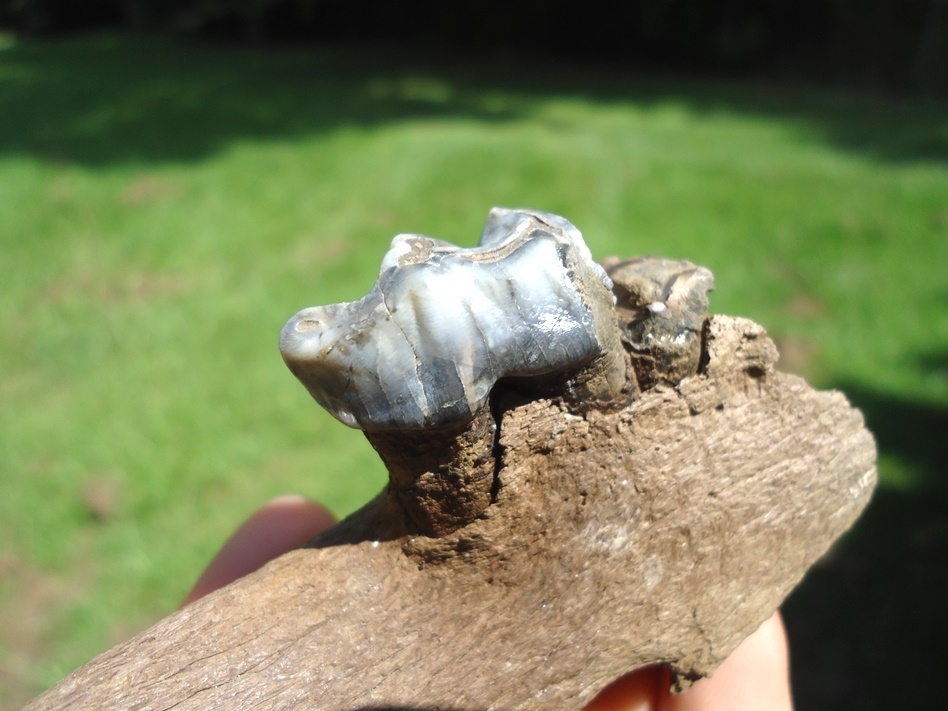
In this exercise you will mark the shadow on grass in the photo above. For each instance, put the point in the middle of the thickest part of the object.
(100, 100)
(868, 625)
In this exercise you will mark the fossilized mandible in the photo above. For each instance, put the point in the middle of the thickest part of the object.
(443, 324)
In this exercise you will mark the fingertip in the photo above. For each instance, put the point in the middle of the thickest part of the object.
(755, 676)
(297, 515)
(282, 524)
(638, 691)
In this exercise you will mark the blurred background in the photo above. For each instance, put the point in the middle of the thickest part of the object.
(179, 177)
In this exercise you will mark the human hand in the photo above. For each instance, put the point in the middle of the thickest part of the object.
(755, 677)
(277, 527)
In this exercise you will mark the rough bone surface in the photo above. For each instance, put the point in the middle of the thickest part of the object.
(662, 529)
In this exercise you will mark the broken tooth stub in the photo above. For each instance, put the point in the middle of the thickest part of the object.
(443, 324)
(662, 307)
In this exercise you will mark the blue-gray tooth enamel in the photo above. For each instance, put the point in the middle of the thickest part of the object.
(443, 324)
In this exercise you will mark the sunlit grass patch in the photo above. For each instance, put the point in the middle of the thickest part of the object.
(164, 209)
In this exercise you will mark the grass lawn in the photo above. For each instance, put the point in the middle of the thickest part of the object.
(164, 208)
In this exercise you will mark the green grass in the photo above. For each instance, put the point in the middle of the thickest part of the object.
(165, 208)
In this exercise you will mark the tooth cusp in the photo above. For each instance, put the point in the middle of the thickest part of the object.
(443, 324)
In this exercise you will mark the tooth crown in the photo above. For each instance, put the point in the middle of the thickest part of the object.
(443, 324)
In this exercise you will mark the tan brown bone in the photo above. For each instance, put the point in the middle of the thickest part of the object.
(662, 531)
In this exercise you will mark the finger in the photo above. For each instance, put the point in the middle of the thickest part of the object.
(279, 526)
(755, 676)
(638, 691)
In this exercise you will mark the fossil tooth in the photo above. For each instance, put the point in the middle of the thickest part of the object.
(443, 324)
(662, 309)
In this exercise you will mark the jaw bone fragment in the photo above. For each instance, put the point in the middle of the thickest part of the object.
(443, 324)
